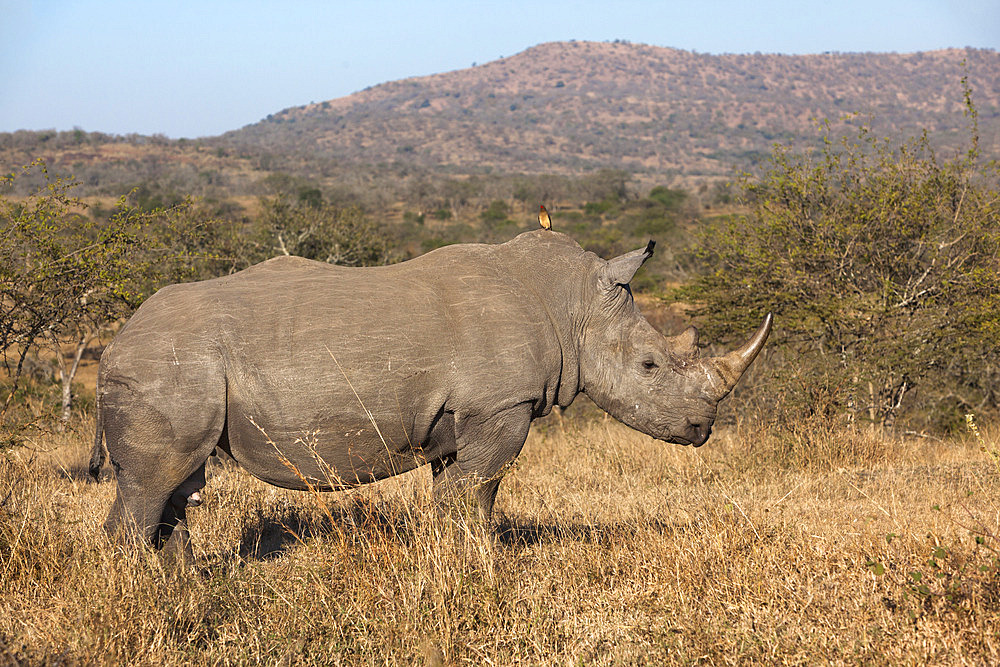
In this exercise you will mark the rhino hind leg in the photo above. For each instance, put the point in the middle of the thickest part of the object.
(159, 472)
(485, 449)
(136, 512)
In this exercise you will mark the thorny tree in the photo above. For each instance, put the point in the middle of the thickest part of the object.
(315, 229)
(64, 276)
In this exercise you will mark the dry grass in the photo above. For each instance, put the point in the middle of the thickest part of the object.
(612, 548)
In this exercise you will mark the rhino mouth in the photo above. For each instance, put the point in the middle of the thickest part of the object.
(695, 433)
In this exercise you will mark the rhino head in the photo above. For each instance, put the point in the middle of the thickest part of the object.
(656, 384)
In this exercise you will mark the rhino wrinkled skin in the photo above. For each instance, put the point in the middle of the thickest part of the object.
(310, 374)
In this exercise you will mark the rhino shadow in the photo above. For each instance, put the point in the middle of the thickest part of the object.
(271, 536)
(80, 473)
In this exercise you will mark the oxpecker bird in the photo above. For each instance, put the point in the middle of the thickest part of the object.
(543, 217)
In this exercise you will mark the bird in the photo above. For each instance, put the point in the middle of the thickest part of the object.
(543, 217)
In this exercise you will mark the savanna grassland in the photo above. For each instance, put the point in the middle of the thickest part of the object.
(843, 512)
(806, 546)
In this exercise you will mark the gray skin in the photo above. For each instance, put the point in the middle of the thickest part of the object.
(313, 375)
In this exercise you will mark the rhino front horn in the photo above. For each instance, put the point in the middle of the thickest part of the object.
(733, 364)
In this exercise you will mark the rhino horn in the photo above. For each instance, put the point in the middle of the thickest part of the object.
(732, 365)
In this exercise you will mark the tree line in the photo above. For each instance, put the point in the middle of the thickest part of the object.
(880, 259)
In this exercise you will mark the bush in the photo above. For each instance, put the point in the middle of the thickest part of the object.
(65, 276)
(320, 231)
(670, 198)
(881, 264)
(496, 213)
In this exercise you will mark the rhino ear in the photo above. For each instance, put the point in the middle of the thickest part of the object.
(620, 270)
(686, 342)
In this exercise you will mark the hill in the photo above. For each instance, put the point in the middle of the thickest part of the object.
(570, 106)
(569, 109)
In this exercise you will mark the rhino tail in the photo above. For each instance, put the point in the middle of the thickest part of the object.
(97, 453)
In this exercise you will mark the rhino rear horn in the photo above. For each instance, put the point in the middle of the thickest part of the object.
(620, 270)
(734, 364)
(686, 342)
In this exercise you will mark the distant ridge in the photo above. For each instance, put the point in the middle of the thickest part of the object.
(571, 106)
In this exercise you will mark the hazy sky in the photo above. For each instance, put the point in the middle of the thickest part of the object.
(188, 69)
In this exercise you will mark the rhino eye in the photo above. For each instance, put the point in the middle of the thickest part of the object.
(649, 364)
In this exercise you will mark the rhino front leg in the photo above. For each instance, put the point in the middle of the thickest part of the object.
(484, 448)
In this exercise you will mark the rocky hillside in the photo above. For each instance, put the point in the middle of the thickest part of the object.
(569, 106)
(566, 109)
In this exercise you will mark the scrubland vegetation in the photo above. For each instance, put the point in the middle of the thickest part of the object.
(845, 510)
(882, 262)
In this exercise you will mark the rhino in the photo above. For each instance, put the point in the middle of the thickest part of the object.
(312, 375)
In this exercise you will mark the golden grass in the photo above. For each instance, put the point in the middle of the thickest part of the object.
(611, 548)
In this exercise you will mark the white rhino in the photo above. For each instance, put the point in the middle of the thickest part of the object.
(313, 374)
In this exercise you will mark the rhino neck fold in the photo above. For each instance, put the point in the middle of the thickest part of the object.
(569, 373)
(557, 309)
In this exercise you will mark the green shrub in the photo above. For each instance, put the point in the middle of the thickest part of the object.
(65, 276)
(881, 262)
(324, 232)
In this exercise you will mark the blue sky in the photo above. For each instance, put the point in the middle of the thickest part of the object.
(200, 68)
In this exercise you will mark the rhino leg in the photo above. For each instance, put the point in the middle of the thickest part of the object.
(172, 532)
(159, 461)
(136, 511)
(484, 449)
